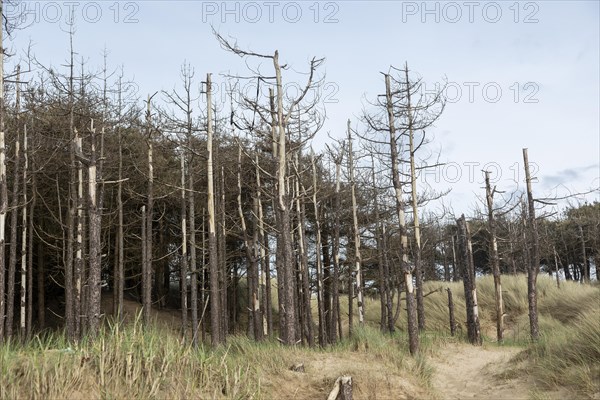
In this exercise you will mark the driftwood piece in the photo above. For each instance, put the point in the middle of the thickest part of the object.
(342, 389)
(297, 368)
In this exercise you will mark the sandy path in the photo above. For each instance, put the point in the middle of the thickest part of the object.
(469, 372)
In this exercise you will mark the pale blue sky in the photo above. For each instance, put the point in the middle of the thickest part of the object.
(556, 52)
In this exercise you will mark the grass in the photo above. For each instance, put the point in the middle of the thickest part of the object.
(131, 362)
(135, 363)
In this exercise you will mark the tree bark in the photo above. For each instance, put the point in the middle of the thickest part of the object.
(3, 186)
(489, 194)
(215, 295)
(534, 263)
(305, 308)
(184, 254)
(147, 276)
(319, 263)
(12, 266)
(356, 233)
(288, 282)
(417, 228)
(465, 259)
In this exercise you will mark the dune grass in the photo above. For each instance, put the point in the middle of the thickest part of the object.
(131, 362)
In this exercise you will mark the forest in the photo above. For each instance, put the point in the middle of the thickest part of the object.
(223, 214)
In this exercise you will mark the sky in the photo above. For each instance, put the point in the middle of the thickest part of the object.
(520, 74)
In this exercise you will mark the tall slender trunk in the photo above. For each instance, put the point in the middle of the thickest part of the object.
(465, 259)
(415, 209)
(10, 302)
(3, 185)
(411, 307)
(254, 317)
(41, 284)
(306, 314)
(78, 264)
(95, 222)
(215, 295)
(193, 256)
(335, 311)
(24, 267)
(263, 243)
(534, 262)
(147, 276)
(356, 233)
(30, 251)
(489, 194)
(120, 275)
(288, 287)
(184, 254)
(318, 250)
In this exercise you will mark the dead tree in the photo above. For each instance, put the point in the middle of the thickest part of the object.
(3, 186)
(305, 302)
(12, 263)
(95, 225)
(147, 267)
(465, 260)
(318, 250)
(534, 262)
(184, 253)
(356, 233)
(254, 317)
(287, 278)
(215, 295)
(495, 261)
(413, 334)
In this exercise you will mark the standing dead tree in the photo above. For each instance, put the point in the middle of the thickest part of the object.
(465, 261)
(286, 277)
(495, 260)
(533, 268)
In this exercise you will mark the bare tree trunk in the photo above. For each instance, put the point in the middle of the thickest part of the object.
(147, 277)
(534, 263)
(144, 253)
(415, 209)
(94, 277)
(321, 310)
(193, 256)
(465, 259)
(356, 232)
(30, 251)
(215, 295)
(305, 308)
(254, 317)
(78, 265)
(10, 303)
(3, 185)
(489, 194)
(41, 298)
(184, 253)
(411, 309)
(335, 314)
(24, 268)
(288, 287)
(120, 284)
(263, 246)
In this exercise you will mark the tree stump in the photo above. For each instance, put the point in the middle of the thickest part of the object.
(342, 389)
